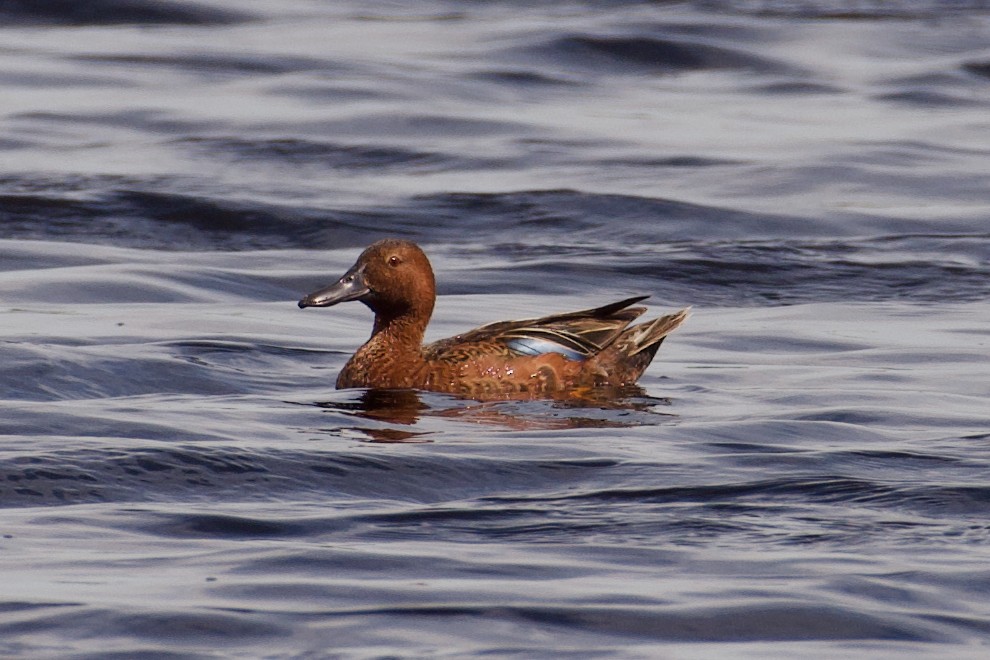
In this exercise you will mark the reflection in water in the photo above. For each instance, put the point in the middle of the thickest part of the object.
(606, 407)
(389, 435)
(393, 406)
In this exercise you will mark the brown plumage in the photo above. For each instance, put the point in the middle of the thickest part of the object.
(532, 357)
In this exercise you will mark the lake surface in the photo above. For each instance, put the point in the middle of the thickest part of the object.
(804, 472)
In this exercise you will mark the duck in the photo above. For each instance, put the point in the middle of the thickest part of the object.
(536, 357)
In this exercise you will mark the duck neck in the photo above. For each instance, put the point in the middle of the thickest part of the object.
(399, 331)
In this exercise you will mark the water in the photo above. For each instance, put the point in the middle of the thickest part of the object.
(803, 471)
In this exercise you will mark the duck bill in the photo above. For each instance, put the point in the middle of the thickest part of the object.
(349, 287)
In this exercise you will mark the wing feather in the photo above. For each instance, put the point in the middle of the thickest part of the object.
(575, 335)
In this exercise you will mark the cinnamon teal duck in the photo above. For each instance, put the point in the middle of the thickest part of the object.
(585, 349)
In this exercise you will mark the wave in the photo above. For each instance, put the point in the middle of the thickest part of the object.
(116, 12)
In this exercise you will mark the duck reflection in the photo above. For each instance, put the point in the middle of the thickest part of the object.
(600, 407)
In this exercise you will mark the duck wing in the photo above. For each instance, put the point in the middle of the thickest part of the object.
(575, 335)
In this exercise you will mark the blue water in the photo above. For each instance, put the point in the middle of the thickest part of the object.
(802, 473)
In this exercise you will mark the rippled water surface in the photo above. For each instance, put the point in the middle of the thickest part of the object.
(803, 471)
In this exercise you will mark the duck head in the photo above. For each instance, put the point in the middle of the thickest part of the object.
(392, 277)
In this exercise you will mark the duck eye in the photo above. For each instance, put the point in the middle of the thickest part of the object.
(393, 261)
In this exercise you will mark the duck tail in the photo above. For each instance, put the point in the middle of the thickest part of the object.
(625, 359)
